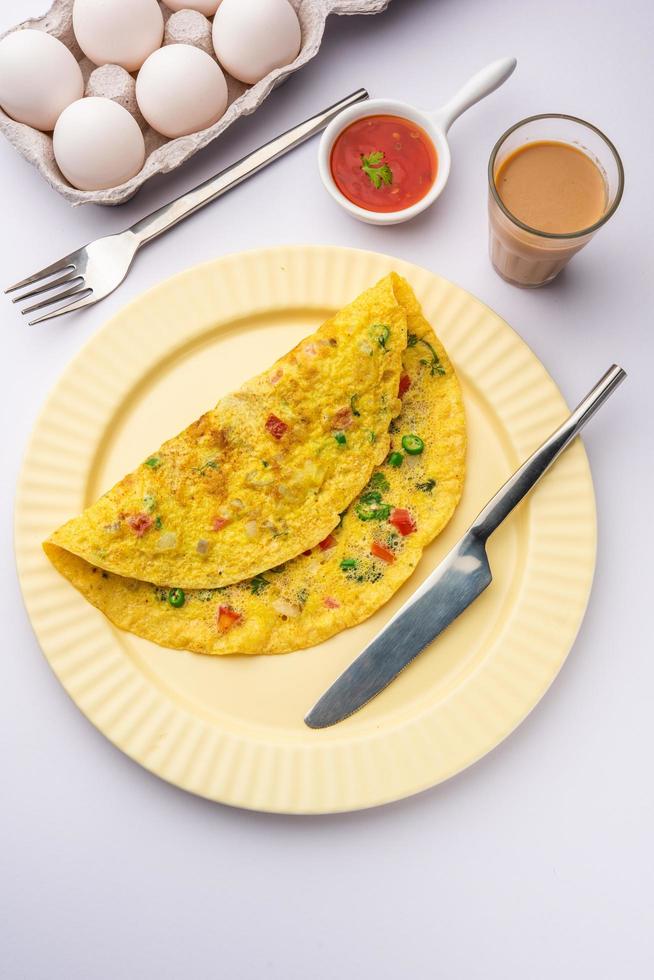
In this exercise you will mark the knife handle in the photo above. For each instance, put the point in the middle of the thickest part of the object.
(533, 469)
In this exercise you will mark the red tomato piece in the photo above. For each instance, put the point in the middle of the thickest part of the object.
(218, 523)
(403, 521)
(327, 543)
(140, 523)
(405, 384)
(331, 603)
(275, 426)
(226, 618)
(342, 419)
(379, 551)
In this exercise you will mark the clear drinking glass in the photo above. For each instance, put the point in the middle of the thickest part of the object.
(525, 256)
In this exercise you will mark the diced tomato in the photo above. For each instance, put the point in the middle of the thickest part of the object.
(342, 419)
(327, 543)
(379, 551)
(140, 523)
(403, 521)
(307, 553)
(405, 384)
(227, 618)
(218, 523)
(331, 603)
(276, 427)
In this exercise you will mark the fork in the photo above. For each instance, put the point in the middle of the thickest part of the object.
(97, 269)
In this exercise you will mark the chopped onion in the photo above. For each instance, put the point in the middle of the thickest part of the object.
(251, 529)
(285, 608)
(112, 528)
(167, 541)
(365, 347)
(202, 546)
(236, 504)
(257, 479)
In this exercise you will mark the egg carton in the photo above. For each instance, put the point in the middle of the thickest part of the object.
(163, 155)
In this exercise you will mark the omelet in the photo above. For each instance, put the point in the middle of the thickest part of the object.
(264, 475)
(353, 570)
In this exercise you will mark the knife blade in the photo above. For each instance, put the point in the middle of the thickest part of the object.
(459, 579)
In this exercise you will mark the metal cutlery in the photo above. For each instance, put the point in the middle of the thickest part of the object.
(459, 579)
(95, 270)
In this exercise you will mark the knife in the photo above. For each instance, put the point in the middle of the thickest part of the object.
(459, 579)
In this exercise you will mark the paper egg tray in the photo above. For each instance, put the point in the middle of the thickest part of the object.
(163, 155)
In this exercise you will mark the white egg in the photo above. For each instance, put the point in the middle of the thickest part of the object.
(206, 7)
(251, 37)
(118, 32)
(180, 90)
(97, 144)
(39, 77)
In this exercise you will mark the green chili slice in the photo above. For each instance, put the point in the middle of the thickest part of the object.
(412, 444)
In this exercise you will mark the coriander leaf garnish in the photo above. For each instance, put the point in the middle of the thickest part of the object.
(258, 584)
(433, 363)
(378, 482)
(377, 172)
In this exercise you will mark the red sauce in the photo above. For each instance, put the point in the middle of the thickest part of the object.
(407, 151)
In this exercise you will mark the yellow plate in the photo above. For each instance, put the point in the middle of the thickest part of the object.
(231, 729)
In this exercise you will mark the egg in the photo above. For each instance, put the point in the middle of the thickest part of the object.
(39, 77)
(118, 32)
(206, 7)
(251, 37)
(97, 144)
(180, 90)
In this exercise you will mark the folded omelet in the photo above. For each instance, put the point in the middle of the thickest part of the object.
(352, 571)
(265, 474)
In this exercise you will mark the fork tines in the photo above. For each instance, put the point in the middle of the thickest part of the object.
(43, 281)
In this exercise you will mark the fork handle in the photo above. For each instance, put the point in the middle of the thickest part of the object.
(165, 217)
(536, 466)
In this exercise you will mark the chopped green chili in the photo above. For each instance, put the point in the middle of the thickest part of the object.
(369, 507)
(176, 598)
(384, 333)
(412, 444)
(395, 459)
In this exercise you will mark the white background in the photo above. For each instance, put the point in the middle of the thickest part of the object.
(535, 863)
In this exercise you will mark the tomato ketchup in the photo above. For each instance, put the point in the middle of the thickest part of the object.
(384, 163)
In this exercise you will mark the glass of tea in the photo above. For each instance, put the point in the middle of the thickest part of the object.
(553, 181)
